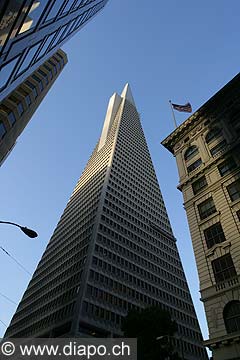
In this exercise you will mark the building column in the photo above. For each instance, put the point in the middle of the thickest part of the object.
(181, 166)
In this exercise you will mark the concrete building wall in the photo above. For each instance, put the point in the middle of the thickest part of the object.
(113, 249)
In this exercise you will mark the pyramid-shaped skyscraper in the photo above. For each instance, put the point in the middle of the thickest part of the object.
(113, 249)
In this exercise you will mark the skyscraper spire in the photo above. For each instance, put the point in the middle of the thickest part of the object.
(127, 94)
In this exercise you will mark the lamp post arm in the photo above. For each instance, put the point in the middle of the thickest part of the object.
(10, 223)
(29, 232)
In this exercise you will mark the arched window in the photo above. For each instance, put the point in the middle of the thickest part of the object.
(213, 134)
(231, 315)
(190, 152)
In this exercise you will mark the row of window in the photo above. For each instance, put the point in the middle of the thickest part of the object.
(32, 312)
(63, 270)
(171, 287)
(98, 313)
(192, 151)
(28, 330)
(129, 255)
(141, 212)
(62, 262)
(141, 201)
(46, 44)
(20, 107)
(54, 286)
(213, 134)
(122, 306)
(149, 297)
(59, 7)
(60, 248)
(130, 230)
(207, 207)
(224, 168)
(80, 229)
(154, 253)
(155, 230)
(137, 276)
(144, 223)
(66, 253)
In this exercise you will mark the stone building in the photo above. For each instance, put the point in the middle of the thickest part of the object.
(207, 151)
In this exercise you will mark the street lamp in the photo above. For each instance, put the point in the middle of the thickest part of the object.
(30, 233)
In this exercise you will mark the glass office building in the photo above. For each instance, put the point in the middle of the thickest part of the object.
(18, 107)
(31, 31)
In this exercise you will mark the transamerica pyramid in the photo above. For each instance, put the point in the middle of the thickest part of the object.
(113, 249)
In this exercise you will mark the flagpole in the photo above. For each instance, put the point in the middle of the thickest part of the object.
(174, 119)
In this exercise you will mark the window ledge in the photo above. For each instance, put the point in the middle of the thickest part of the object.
(221, 151)
(235, 202)
(210, 217)
(223, 245)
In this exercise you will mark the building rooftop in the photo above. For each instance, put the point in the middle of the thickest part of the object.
(206, 111)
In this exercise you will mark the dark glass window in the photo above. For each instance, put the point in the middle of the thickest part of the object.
(44, 75)
(35, 77)
(57, 63)
(223, 268)
(11, 118)
(34, 13)
(218, 147)
(81, 3)
(213, 134)
(28, 58)
(60, 58)
(227, 166)
(206, 208)
(10, 10)
(72, 26)
(190, 152)
(54, 66)
(234, 190)
(45, 46)
(231, 315)
(6, 71)
(238, 214)
(33, 87)
(199, 184)
(2, 130)
(194, 165)
(49, 70)
(58, 36)
(214, 235)
(55, 9)
(20, 108)
(68, 6)
(28, 100)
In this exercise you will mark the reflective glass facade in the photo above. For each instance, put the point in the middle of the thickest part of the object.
(32, 30)
(18, 107)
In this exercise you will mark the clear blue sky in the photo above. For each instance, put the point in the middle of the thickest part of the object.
(183, 51)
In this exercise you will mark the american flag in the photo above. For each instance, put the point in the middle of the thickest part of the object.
(183, 108)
